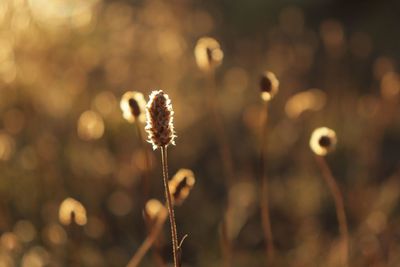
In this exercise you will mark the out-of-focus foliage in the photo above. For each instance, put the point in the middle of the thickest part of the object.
(65, 64)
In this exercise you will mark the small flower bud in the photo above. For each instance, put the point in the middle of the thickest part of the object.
(323, 140)
(208, 53)
(133, 105)
(180, 185)
(72, 210)
(269, 86)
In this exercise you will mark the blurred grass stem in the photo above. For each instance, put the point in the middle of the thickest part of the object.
(339, 205)
(225, 152)
(264, 201)
(150, 239)
(225, 243)
(146, 172)
(226, 158)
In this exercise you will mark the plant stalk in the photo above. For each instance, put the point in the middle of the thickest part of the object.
(150, 239)
(264, 200)
(174, 235)
(339, 204)
(227, 163)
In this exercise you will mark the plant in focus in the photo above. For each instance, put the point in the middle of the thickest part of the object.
(160, 128)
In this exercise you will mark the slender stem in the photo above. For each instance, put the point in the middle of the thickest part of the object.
(174, 234)
(146, 172)
(264, 201)
(225, 244)
(227, 162)
(146, 188)
(339, 204)
(150, 239)
(224, 150)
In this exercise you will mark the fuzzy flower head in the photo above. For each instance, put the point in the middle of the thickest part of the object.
(208, 53)
(133, 105)
(269, 86)
(323, 140)
(180, 185)
(160, 127)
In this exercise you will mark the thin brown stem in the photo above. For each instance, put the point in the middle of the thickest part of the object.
(264, 200)
(225, 244)
(150, 239)
(174, 235)
(227, 162)
(146, 172)
(224, 150)
(339, 205)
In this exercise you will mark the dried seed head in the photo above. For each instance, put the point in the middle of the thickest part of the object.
(269, 86)
(180, 185)
(72, 210)
(208, 53)
(133, 105)
(323, 140)
(160, 125)
(153, 208)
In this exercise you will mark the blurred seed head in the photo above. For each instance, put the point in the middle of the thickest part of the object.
(72, 211)
(312, 99)
(35, 257)
(333, 38)
(323, 140)
(390, 85)
(9, 241)
(105, 103)
(119, 203)
(208, 53)
(383, 65)
(25, 231)
(90, 125)
(180, 185)
(153, 208)
(159, 113)
(54, 234)
(269, 86)
(133, 106)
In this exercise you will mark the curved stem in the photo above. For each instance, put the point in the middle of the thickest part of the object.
(150, 239)
(339, 204)
(264, 201)
(146, 187)
(174, 235)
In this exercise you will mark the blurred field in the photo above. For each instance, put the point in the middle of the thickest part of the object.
(65, 64)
